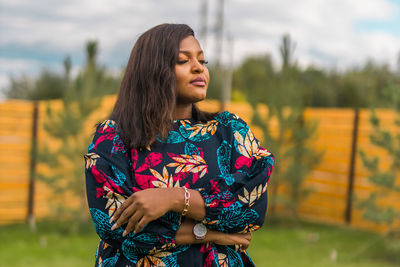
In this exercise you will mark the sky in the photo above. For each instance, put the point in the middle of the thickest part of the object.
(340, 34)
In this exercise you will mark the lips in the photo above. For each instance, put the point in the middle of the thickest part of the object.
(199, 82)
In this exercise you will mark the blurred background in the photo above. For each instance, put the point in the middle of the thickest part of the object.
(318, 81)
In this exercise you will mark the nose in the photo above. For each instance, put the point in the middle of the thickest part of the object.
(197, 67)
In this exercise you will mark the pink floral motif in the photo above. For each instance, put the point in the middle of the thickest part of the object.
(180, 176)
(106, 127)
(99, 192)
(150, 161)
(242, 161)
(102, 178)
(207, 250)
(214, 187)
(195, 177)
(144, 181)
(118, 146)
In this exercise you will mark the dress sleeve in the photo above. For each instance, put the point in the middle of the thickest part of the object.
(108, 183)
(236, 200)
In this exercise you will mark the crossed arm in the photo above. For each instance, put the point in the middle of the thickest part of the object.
(149, 204)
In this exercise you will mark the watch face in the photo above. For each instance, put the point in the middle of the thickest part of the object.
(200, 230)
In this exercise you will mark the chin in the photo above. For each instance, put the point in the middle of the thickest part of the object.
(201, 97)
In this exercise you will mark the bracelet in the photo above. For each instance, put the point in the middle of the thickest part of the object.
(187, 204)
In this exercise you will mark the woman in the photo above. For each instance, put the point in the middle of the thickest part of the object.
(168, 184)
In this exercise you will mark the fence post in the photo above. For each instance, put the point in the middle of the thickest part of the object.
(353, 156)
(32, 168)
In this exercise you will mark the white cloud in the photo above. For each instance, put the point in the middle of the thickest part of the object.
(12, 65)
(325, 31)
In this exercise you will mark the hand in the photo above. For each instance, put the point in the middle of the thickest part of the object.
(185, 236)
(242, 240)
(141, 208)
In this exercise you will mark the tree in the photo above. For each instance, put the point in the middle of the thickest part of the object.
(19, 88)
(384, 180)
(66, 125)
(49, 85)
(284, 96)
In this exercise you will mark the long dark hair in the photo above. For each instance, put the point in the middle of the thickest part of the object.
(147, 98)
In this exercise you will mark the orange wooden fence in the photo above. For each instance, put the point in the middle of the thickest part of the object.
(329, 180)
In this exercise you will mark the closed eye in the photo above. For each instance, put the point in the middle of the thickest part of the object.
(180, 62)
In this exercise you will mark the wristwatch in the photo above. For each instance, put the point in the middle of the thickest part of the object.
(199, 231)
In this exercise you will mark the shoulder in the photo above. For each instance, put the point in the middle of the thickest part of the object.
(106, 137)
(227, 118)
(106, 127)
(232, 121)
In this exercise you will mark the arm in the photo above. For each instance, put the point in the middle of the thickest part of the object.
(108, 184)
(236, 201)
(185, 236)
(152, 203)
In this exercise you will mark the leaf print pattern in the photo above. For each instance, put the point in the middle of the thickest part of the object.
(114, 200)
(224, 157)
(189, 163)
(250, 228)
(90, 159)
(108, 123)
(247, 146)
(173, 138)
(210, 127)
(191, 149)
(119, 178)
(223, 152)
(254, 195)
(118, 145)
(152, 261)
(165, 180)
(150, 161)
(262, 153)
(110, 262)
(223, 260)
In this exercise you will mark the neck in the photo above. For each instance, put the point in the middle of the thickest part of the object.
(183, 111)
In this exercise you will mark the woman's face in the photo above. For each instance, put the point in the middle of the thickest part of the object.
(191, 74)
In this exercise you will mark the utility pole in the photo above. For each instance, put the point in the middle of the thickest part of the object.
(398, 64)
(227, 86)
(203, 23)
(219, 32)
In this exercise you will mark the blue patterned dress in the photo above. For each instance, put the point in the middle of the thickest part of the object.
(221, 159)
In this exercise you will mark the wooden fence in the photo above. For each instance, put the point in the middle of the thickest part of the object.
(338, 178)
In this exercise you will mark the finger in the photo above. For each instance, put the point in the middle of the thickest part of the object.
(244, 242)
(247, 236)
(132, 222)
(124, 217)
(141, 224)
(121, 208)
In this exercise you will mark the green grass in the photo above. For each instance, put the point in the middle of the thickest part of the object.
(304, 244)
(308, 244)
(53, 244)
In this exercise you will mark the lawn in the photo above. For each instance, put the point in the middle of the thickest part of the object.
(305, 244)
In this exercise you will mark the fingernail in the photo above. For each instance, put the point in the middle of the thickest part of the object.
(114, 226)
(124, 233)
(112, 219)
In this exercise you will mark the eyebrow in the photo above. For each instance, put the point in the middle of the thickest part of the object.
(188, 52)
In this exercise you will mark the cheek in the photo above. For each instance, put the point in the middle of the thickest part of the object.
(180, 76)
(207, 74)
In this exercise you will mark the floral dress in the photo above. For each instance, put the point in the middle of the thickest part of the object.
(221, 159)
